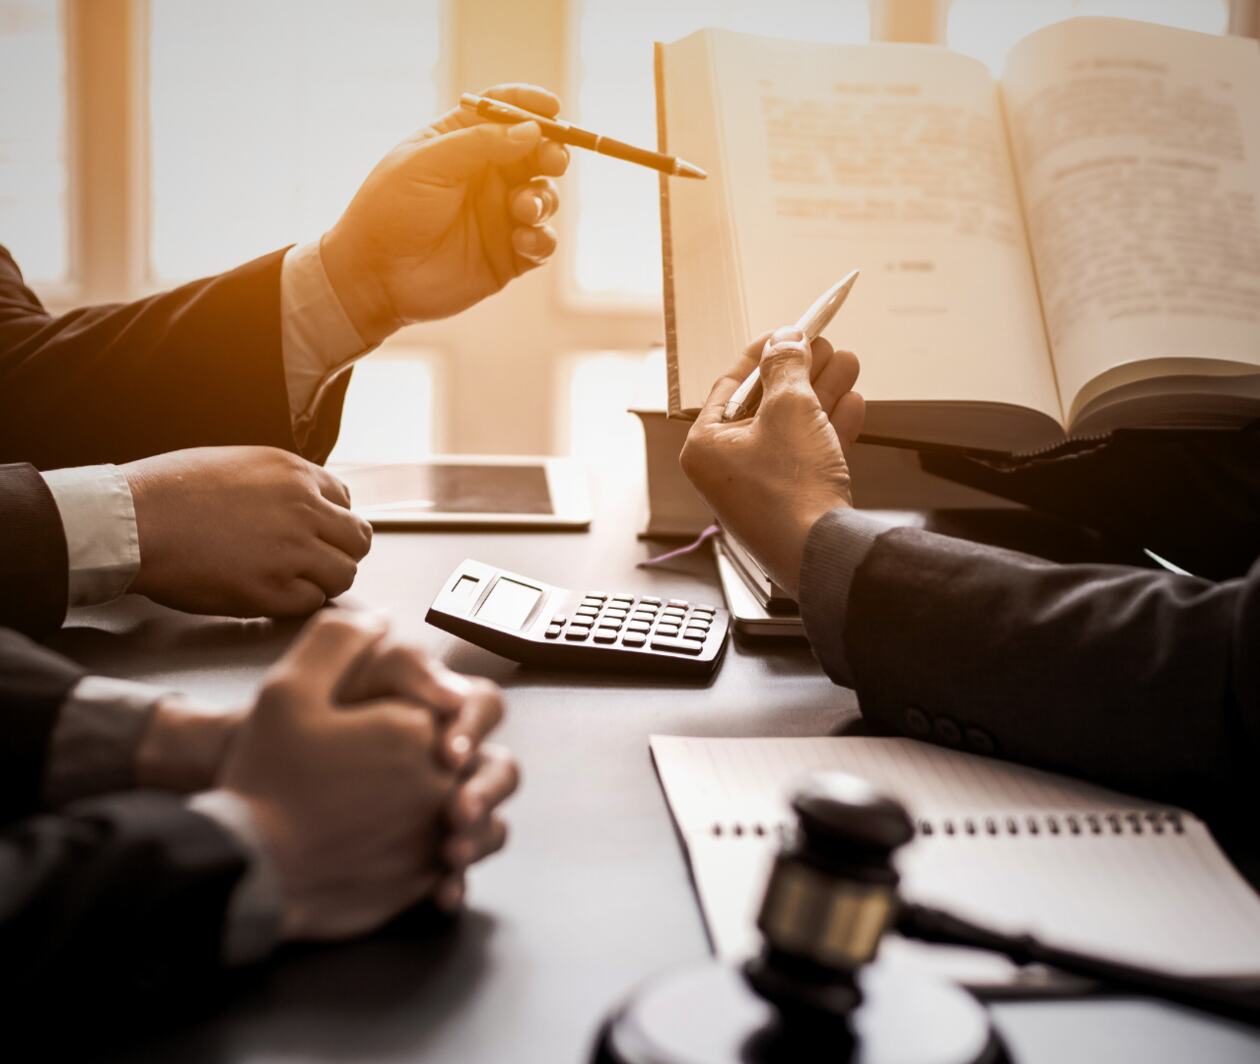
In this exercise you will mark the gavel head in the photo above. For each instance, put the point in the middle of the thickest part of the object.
(831, 896)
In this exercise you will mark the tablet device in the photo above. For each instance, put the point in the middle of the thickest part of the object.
(470, 491)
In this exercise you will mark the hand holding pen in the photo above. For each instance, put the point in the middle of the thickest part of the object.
(747, 397)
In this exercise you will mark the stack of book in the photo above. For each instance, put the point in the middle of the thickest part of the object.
(759, 607)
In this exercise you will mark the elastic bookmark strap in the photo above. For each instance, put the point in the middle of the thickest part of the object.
(690, 548)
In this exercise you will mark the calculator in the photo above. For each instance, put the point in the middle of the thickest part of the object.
(553, 627)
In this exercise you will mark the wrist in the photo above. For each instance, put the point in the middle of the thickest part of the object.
(805, 519)
(357, 288)
(184, 745)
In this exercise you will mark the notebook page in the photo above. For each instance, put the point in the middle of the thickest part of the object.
(1116, 875)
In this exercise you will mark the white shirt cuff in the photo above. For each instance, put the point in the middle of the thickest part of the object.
(99, 519)
(253, 914)
(318, 339)
(93, 746)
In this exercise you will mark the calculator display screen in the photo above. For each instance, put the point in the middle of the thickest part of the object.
(509, 603)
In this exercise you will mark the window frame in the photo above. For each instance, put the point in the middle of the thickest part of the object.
(541, 319)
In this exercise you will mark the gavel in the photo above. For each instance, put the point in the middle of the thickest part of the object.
(812, 993)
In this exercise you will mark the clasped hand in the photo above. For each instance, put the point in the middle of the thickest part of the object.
(768, 478)
(363, 766)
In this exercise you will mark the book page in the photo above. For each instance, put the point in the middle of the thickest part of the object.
(1138, 153)
(892, 159)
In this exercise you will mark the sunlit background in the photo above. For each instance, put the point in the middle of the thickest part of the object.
(246, 125)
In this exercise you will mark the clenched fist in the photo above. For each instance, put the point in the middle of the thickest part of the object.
(243, 532)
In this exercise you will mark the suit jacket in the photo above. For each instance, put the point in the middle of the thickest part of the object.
(105, 902)
(194, 367)
(1141, 679)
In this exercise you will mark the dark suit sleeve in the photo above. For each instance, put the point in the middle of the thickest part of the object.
(34, 683)
(109, 905)
(197, 366)
(1143, 680)
(34, 568)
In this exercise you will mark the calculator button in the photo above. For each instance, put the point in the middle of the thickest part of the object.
(577, 635)
(710, 610)
(637, 626)
(678, 646)
(614, 623)
(598, 596)
(603, 635)
(559, 618)
(619, 615)
(633, 639)
(683, 603)
(627, 599)
(648, 600)
(612, 629)
(667, 629)
(702, 626)
(587, 611)
(695, 633)
(553, 632)
(670, 617)
(645, 611)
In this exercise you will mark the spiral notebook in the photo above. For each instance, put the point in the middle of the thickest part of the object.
(1021, 850)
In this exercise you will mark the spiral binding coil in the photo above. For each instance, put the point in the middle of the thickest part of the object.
(1112, 822)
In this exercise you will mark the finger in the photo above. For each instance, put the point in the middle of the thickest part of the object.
(724, 388)
(454, 158)
(535, 201)
(836, 378)
(785, 362)
(330, 487)
(480, 714)
(531, 97)
(404, 670)
(329, 569)
(450, 892)
(295, 597)
(496, 779)
(460, 851)
(551, 159)
(326, 648)
(535, 244)
(847, 418)
(343, 529)
(820, 353)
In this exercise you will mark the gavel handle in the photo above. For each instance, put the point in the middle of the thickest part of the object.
(934, 925)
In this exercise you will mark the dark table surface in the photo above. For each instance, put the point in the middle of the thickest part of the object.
(592, 894)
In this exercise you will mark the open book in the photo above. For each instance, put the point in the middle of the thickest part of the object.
(1071, 249)
(1001, 844)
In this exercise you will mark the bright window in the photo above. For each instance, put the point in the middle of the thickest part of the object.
(33, 172)
(988, 28)
(266, 117)
(617, 248)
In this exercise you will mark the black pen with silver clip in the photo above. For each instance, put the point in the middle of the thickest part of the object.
(747, 396)
(566, 133)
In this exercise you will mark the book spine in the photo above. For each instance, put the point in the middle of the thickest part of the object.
(667, 243)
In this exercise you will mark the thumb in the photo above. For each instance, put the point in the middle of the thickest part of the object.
(455, 157)
(328, 647)
(785, 362)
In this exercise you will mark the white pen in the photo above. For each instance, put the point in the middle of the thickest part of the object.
(748, 395)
